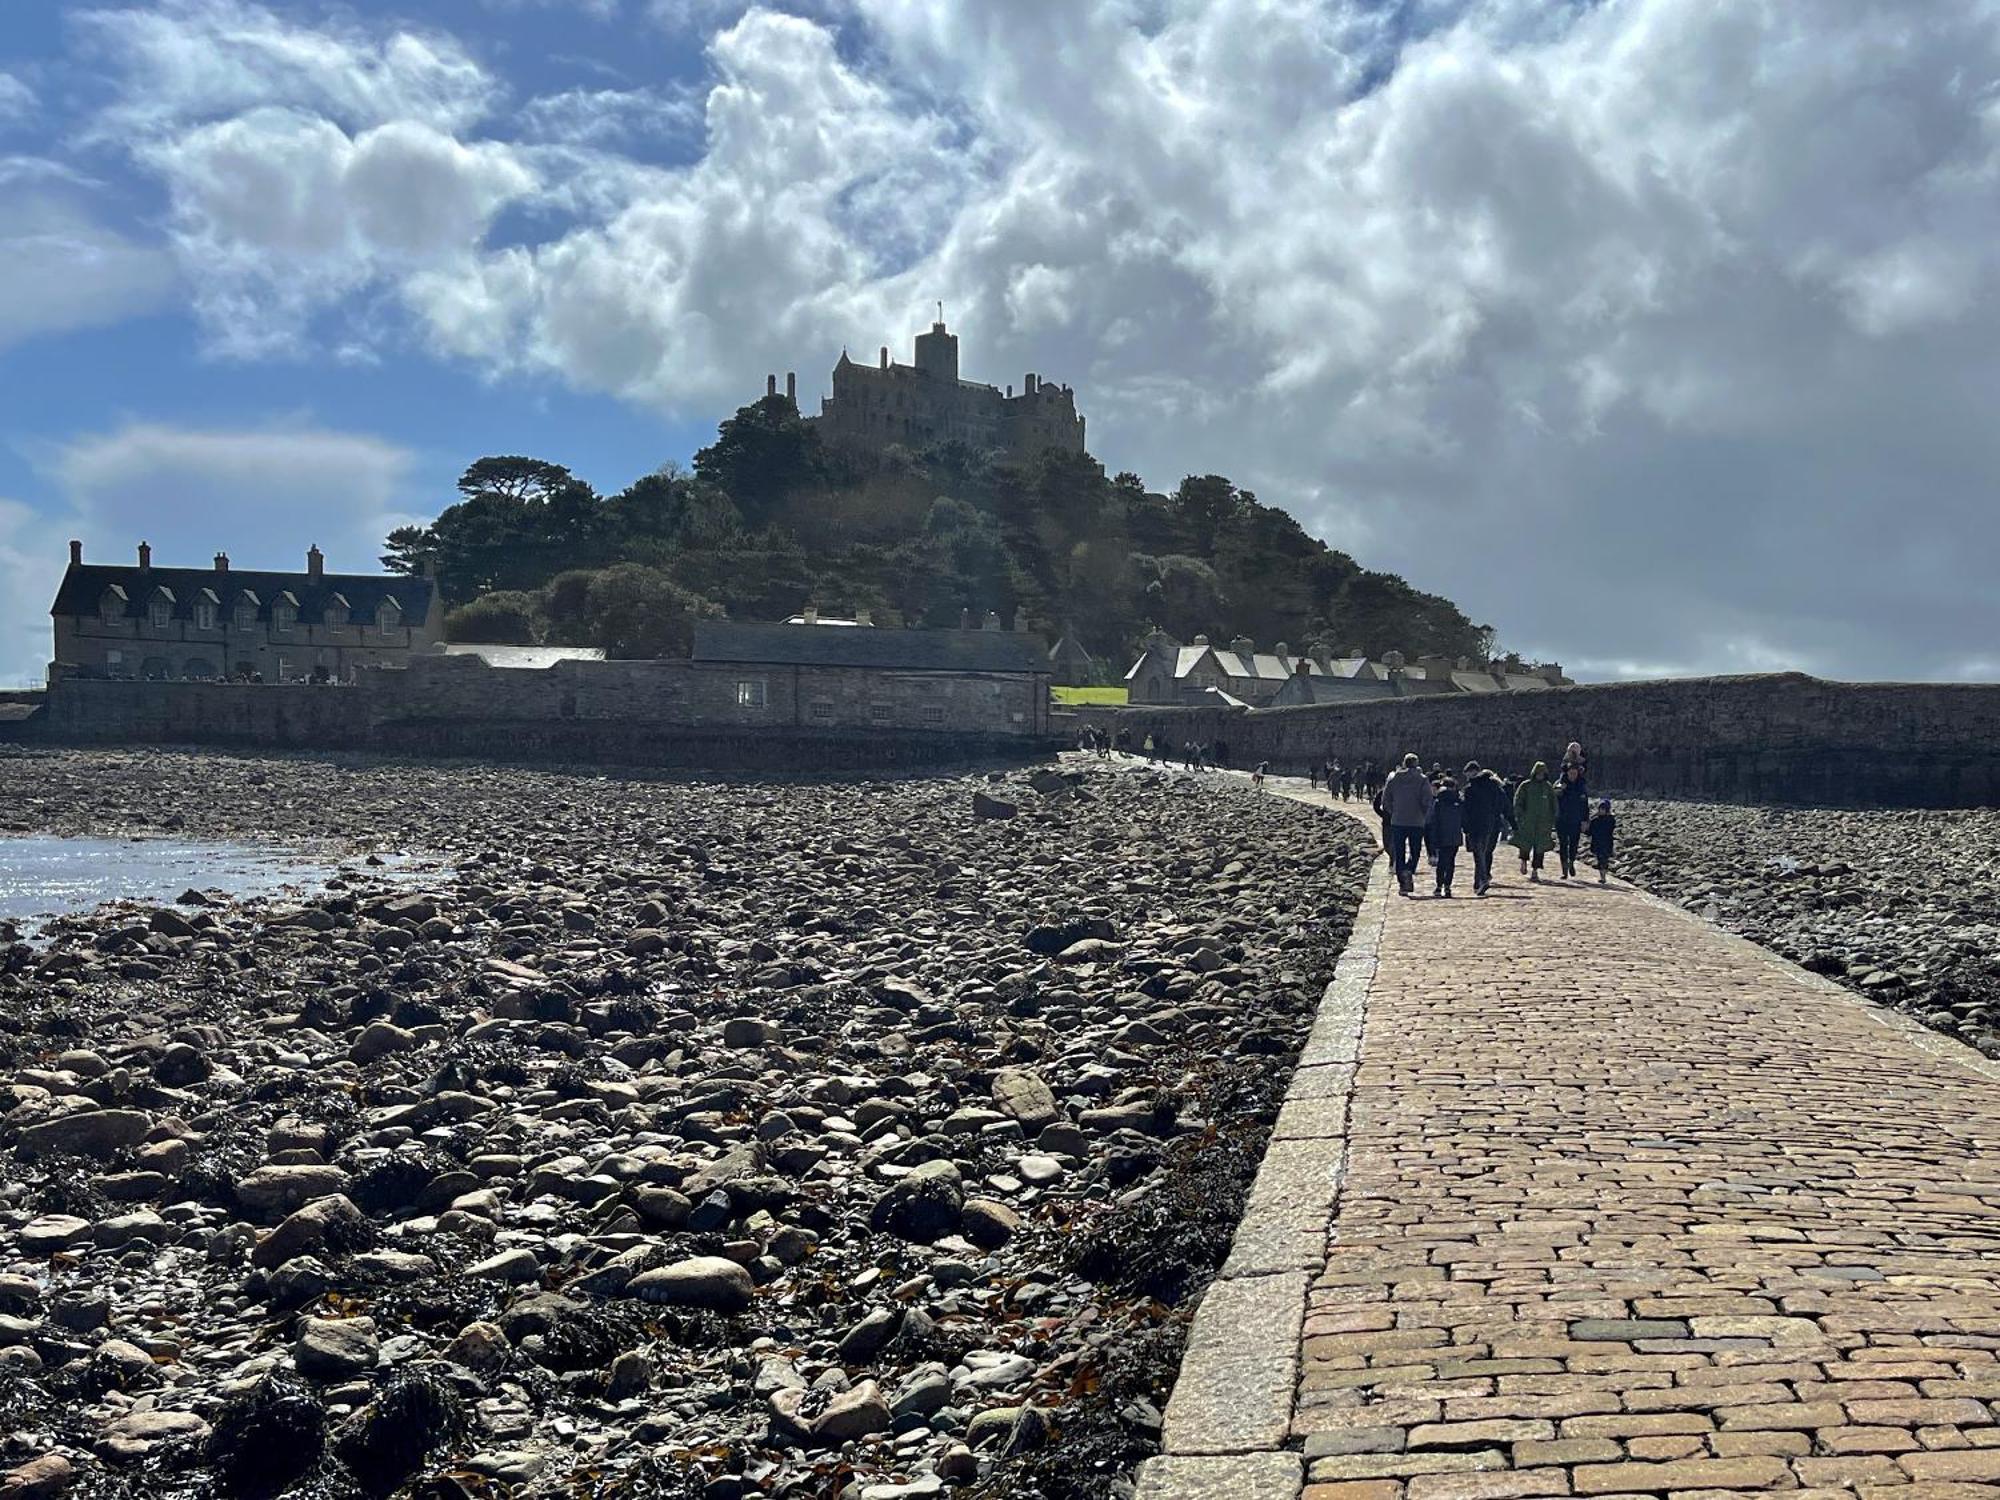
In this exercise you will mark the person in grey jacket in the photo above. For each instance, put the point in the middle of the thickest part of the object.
(1406, 808)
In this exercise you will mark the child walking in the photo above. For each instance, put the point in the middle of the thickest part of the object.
(1603, 833)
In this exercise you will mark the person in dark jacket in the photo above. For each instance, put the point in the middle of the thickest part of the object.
(1572, 812)
(1486, 814)
(1603, 833)
(1535, 818)
(1406, 807)
(1447, 827)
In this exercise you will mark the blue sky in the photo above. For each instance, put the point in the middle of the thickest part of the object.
(1660, 334)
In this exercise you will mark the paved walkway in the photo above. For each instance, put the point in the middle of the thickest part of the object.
(1628, 1207)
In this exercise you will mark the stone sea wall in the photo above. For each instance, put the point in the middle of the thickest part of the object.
(671, 713)
(1772, 739)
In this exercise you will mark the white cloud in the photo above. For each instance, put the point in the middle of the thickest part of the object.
(187, 61)
(17, 99)
(64, 269)
(1653, 332)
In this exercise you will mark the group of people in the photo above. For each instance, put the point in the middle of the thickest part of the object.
(1348, 782)
(1430, 815)
(1194, 755)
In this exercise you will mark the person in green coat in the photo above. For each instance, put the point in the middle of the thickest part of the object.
(1535, 817)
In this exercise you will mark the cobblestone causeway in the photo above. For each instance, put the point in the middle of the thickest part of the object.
(1632, 1207)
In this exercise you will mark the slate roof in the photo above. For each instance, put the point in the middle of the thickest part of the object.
(1316, 689)
(84, 584)
(881, 647)
(523, 658)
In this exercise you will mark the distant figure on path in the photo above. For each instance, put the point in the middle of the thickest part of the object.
(1572, 812)
(1257, 776)
(1535, 818)
(1406, 807)
(1603, 833)
(1485, 816)
(1447, 827)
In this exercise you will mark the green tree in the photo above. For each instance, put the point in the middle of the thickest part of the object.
(636, 611)
(508, 617)
(763, 456)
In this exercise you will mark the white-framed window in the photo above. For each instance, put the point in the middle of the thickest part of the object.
(820, 708)
(283, 617)
(204, 615)
(246, 617)
(933, 713)
(160, 614)
(880, 712)
(750, 693)
(387, 616)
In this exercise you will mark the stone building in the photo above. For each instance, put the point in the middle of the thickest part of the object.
(1202, 673)
(139, 621)
(875, 406)
(807, 677)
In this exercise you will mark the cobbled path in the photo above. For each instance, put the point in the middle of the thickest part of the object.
(1633, 1208)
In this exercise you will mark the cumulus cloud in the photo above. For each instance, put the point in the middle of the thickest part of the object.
(17, 99)
(1655, 333)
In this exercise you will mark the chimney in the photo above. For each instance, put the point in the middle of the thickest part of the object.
(864, 617)
(145, 556)
(1243, 646)
(1028, 384)
(1553, 674)
(812, 614)
(885, 356)
(1281, 650)
(792, 387)
(315, 563)
(222, 562)
(75, 553)
(770, 385)
(991, 622)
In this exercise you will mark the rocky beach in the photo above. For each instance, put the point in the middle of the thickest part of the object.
(1901, 907)
(639, 1136)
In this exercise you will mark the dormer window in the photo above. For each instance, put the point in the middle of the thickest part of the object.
(204, 615)
(111, 605)
(336, 612)
(283, 618)
(245, 615)
(388, 616)
(160, 614)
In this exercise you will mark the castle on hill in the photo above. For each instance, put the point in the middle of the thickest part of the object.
(876, 406)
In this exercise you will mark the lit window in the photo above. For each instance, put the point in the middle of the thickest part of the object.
(750, 693)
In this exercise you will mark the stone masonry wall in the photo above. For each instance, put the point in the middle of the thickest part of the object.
(1775, 739)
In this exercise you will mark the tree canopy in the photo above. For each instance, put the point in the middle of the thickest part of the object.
(768, 521)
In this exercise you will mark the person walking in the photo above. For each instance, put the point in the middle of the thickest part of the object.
(1485, 814)
(1447, 827)
(1572, 812)
(1535, 818)
(1406, 807)
(1603, 833)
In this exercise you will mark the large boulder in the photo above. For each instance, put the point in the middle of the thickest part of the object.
(701, 1281)
(922, 1206)
(1020, 1092)
(92, 1132)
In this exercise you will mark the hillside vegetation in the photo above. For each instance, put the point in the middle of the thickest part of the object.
(769, 520)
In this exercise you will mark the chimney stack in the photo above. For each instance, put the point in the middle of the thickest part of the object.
(812, 614)
(864, 617)
(1028, 383)
(315, 563)
(792, 387)
(75, 553)
(145, 557)
(222, 562)
(770, 385)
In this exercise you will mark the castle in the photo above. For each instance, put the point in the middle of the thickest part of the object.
(918, 404)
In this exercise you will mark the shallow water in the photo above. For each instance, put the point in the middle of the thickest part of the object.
(44, 877)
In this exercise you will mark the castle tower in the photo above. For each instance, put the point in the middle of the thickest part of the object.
(937, 354)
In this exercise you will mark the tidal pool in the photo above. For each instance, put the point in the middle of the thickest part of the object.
(44, 877)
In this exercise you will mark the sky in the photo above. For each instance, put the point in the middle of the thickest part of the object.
(1660, 334)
